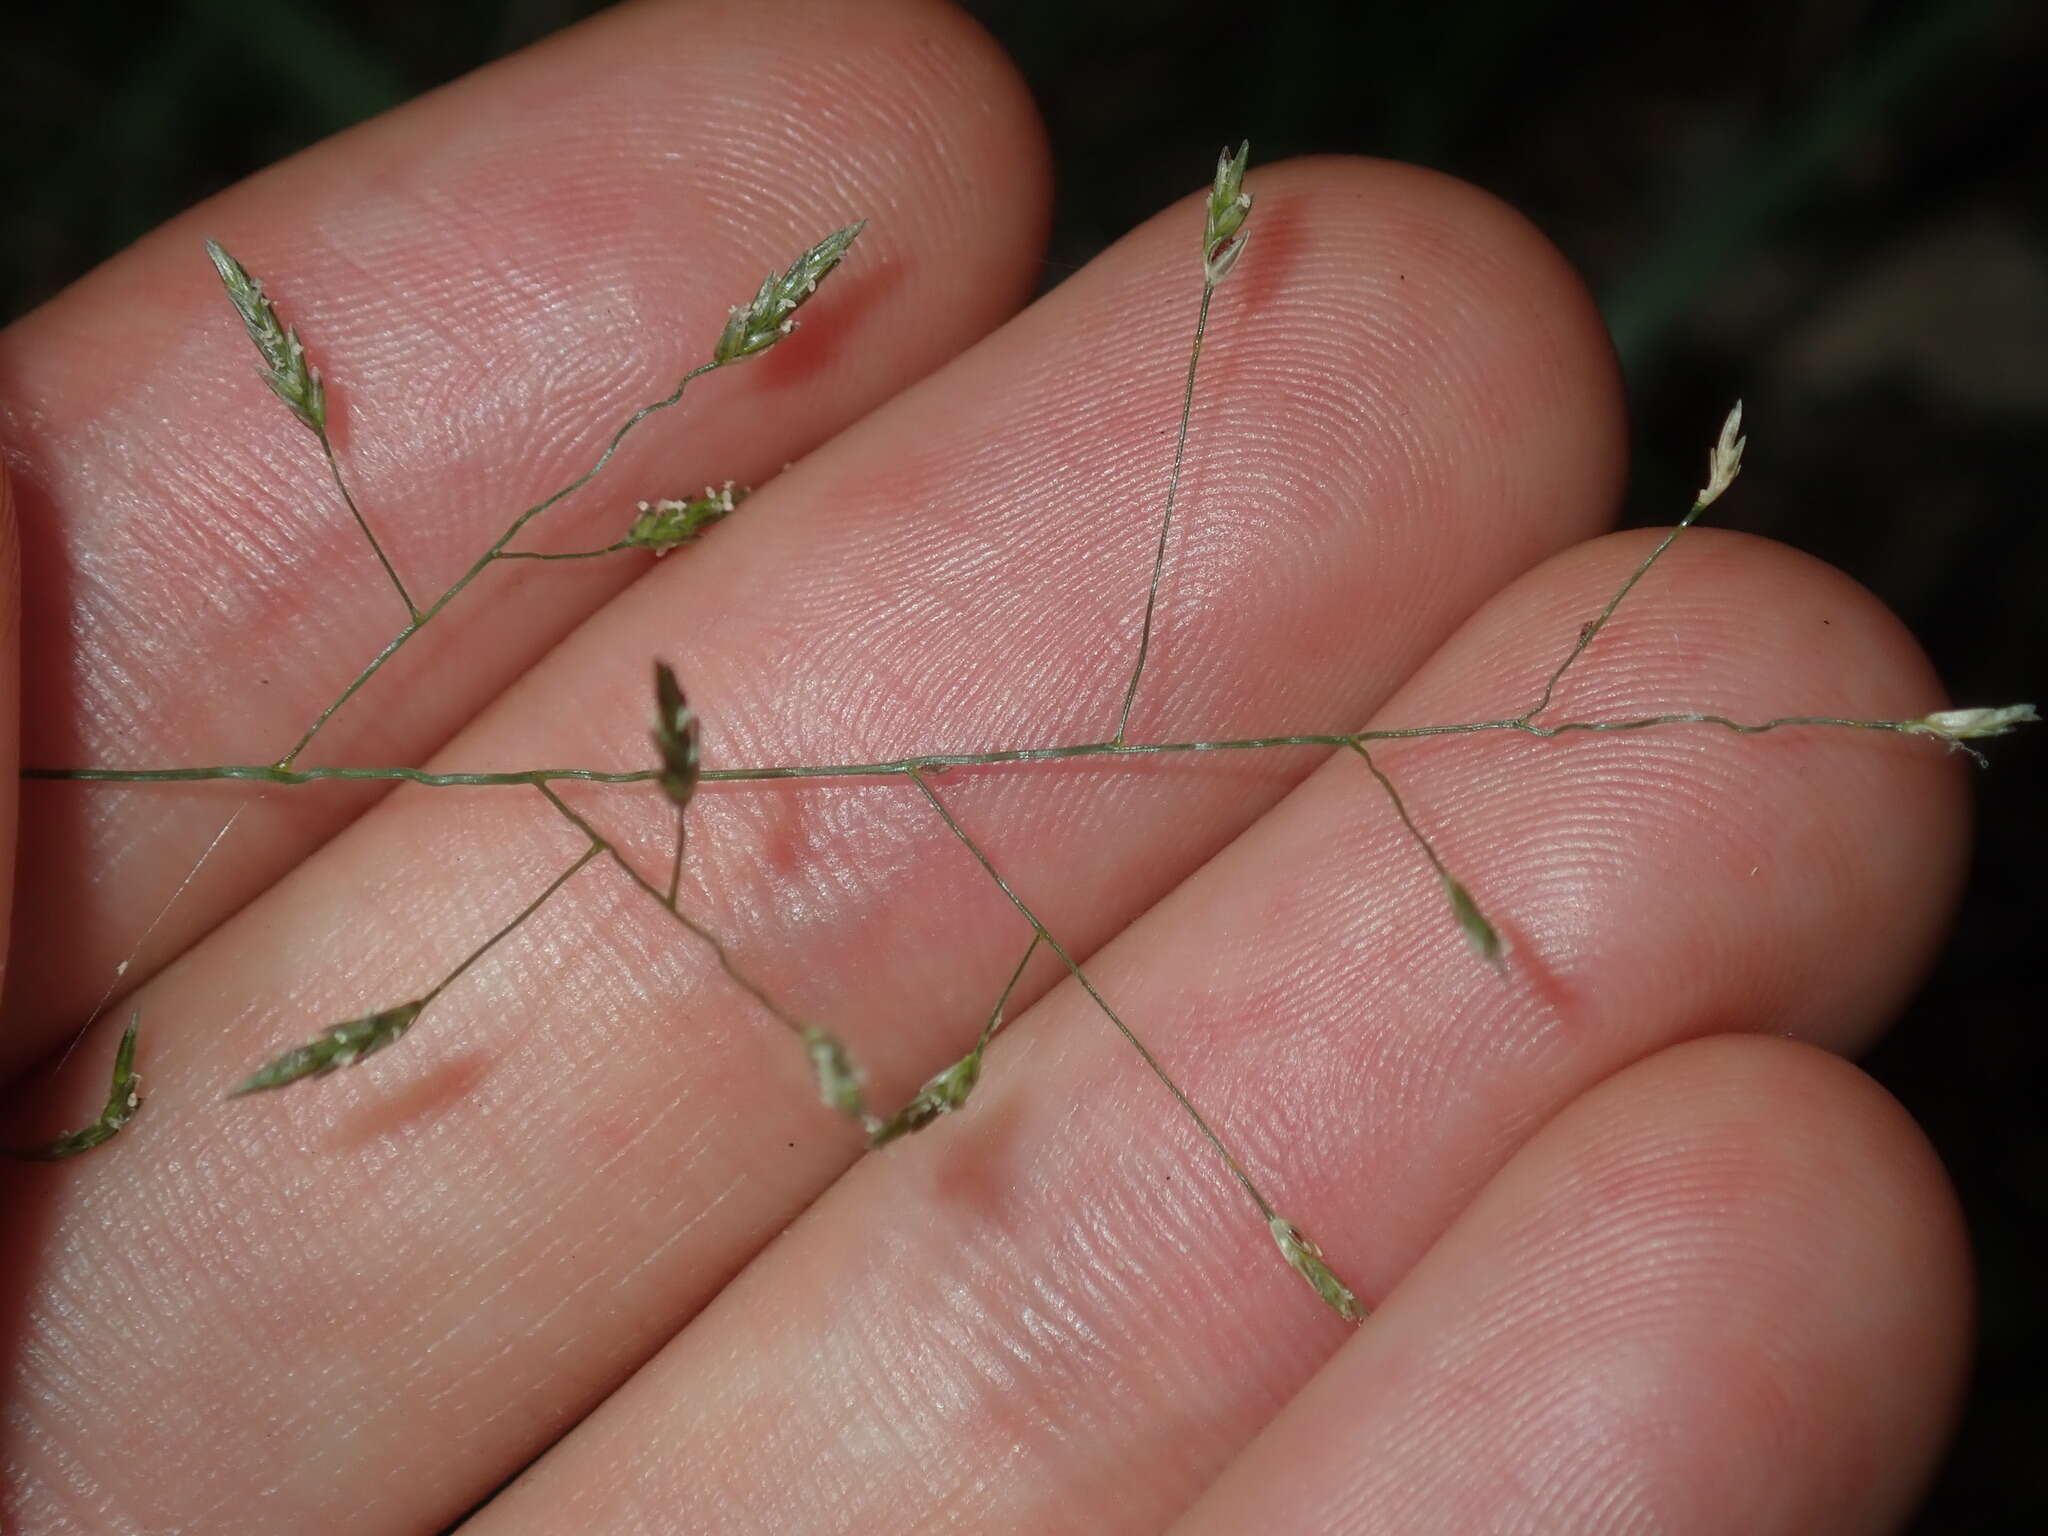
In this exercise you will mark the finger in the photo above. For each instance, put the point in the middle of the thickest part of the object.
(1725, 1291)
(10, 701)
(1054, 1309)
(595, 1112)
(490, 278)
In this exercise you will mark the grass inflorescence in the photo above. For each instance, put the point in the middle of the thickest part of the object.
(676, 769)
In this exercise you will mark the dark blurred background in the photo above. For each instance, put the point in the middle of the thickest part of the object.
(1837, 209)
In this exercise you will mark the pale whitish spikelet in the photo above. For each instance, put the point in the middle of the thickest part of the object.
(1956, 725)
(839, 1080)
(1724, 460)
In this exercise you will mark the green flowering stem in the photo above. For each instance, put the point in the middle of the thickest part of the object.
(839, 1079)
(675, 863)
(123, 1100)
(1222, 241)
(1180, 449)
(348, 500)
(505, 932)
(660, 526)
(345, 1044)
(750, 330)
(270, 773)
(577, 554)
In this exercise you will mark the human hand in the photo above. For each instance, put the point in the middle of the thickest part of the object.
(1625, 1275)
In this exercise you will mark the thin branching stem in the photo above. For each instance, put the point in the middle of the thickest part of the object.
(391, 648)
(751, 329)
(1479, 933)
(412, 609)
(1074, 968)
(675, 867)
(268, 773)
(1180, 451)
(1401, 810)
(343, 1045)
(949, 1089)
(995, 1018)
(494, 552)
(1599, 622)
(507, 930)
(705, 936)
(574, 554)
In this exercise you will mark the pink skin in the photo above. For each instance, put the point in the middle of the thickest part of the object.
(548, 1216)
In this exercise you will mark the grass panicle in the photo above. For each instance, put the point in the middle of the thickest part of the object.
(678, 769)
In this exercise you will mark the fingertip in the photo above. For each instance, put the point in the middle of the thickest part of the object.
(1857, 839)
(489, 279)
(1511, 331)
(1763, 1225)
(1727, 1289)
(10, 703)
